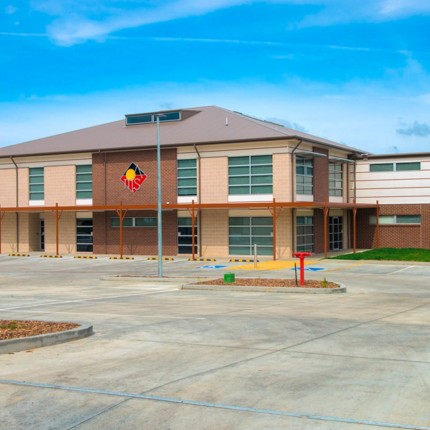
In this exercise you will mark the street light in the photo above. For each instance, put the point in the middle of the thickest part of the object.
(159, 209)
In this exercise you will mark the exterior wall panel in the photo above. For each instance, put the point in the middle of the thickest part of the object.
(214, 226)
(214, 180)
(60, 185)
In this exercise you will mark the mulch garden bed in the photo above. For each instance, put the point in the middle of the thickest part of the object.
(12, 329)
(264, 282)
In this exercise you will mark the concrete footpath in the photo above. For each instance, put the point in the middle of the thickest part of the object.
(165, 358)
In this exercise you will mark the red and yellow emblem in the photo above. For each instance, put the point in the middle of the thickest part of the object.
(133, 177)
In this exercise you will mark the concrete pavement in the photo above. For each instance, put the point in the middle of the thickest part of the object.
(162, 358)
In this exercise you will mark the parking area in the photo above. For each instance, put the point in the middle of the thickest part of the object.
(163, 358)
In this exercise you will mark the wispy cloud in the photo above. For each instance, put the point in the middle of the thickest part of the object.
(10, 9)
(77, 22)
(419, 129)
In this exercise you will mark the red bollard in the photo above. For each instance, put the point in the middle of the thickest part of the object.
(301, 256)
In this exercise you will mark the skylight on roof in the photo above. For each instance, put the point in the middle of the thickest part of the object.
(146, 118)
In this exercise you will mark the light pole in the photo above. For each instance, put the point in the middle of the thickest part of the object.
(159, 209)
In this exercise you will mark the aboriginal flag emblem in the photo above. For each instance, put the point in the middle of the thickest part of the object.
(133, 177)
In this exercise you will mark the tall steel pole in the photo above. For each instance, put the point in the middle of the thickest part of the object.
(159, 212)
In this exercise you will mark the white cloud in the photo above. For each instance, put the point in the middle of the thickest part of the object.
(78, 22)
(10, 9)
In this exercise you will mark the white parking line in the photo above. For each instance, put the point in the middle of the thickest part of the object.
(400, 270)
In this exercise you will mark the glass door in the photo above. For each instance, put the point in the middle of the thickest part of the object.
(335, 231)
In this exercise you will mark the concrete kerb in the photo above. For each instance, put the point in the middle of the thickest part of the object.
(261, 289)
(32, 342)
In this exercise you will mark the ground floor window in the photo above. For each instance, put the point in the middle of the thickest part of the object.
(335, 233)
(305, 233)
(135, 222)
(245, 232)
(84, 235)
(185, 231)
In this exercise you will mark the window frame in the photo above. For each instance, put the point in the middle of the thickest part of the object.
(306, 246)
(302, 186)
(132, 222)
(400, 166)
(395, 220)
(79, 175)
(335, 170)
(32, 174)
(248, 182)
(180, 168)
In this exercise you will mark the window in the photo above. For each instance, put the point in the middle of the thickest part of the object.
(250, 175)
(37, 180)
(84, 235)
(244, 232)
(395, 219)
(335, 176)
(304, 175)
(84, 182)
(408, 166)
(152, 117)
(395, 167)
(187, 177)
(185, 236)
(305, 233)
(384, 167)
(135, 222)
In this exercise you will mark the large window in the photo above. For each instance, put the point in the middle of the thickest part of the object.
(37, 180)
(250, 175)
(245, 232)
(84, 182)
(135, 222)
(395, 219)
(305, 233)
(187, 177)
(335, 179)
(84, 235)
(185, 245)
(395, 167)
(304, 175)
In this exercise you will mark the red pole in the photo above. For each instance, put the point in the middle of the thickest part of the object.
(302, 270)
(57, 219)
(274, 229)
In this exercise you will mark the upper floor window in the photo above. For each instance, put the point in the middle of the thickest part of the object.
(335, 179)
(37, 183)
(395, 167)
(250, 175)
(152, 117)
(84, 182)
(187, 177)
(304, 175)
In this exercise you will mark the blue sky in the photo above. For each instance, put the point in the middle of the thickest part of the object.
(356, 72)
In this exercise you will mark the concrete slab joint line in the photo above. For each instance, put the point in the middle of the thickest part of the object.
(31, 342)
(204, 404)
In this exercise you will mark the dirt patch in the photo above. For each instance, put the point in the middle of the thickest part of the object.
(264, 282)
(12, 329)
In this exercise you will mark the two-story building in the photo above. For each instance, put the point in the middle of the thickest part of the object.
(229, 182)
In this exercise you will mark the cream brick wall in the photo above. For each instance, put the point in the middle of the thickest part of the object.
(23, 191)
(67, 233)
(284, 235)
(214, 181)
(214, 233)
(8, 233)
(282, 177)
(60, 185)
(8, 188)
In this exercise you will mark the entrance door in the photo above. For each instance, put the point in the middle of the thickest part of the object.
(335, 231)
(84, 235)
(42, 235)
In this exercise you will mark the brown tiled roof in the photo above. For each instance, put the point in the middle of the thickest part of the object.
(201, 125)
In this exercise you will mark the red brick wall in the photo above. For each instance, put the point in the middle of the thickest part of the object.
(118, 162)
(321, 176)
(319, 231)
(136, 240)
(394, 236)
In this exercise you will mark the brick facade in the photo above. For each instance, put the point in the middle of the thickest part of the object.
(394, 236)
(321, 176)
(136, 240)
(109, 167)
